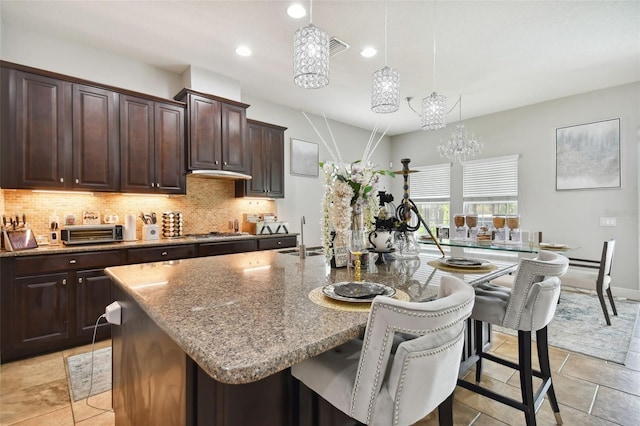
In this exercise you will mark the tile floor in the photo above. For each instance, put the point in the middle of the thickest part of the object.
(590, 392)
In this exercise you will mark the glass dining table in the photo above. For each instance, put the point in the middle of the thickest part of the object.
(523, 247)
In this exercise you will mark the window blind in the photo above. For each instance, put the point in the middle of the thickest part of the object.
(430, 182)
(491, 177)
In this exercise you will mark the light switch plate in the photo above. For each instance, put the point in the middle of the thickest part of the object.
(607, 221)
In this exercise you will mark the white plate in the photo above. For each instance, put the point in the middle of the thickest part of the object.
(464, 262)
(352, 287)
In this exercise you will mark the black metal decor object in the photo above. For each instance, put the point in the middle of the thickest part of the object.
(407, 206)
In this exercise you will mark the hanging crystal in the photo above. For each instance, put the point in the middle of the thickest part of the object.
(385, 83)
(385, 91)
(311, 57)
(433, 112)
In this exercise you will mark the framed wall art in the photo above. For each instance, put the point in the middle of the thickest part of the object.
(304, 158)
(588, 156)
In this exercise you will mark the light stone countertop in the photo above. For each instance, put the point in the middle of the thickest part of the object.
(80, 248)
(243, 317)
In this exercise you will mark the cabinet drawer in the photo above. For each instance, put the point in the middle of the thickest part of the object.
(276, 243)
(156, 254)
(227, 247)
(31, 265)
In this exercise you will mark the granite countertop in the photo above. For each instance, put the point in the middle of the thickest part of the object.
(243, 317)
(79, 248)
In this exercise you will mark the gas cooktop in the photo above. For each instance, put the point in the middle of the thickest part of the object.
(216, 234)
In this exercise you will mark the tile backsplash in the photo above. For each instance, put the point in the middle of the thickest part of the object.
(208, 206)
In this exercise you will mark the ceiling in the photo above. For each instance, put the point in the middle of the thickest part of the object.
(498, 54)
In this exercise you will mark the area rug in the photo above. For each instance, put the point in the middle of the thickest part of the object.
(82, 378)
(579, 326)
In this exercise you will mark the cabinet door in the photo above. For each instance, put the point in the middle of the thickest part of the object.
(257, 186)
(42, 143)
(95, 139)
(93, 294)
(136, 144)
(235, 152)
(205, 133)
(169, 149)
(274, 171)
(41, 312)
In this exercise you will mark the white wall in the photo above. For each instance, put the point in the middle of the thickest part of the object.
(75, 60)
(571, 217)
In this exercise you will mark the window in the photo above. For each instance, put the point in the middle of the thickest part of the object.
(490, 187)
(429, 189)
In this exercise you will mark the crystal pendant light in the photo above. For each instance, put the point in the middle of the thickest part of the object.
(462, 145)
(433, 112)
(311, 55)
(433, 106)
(385, 83)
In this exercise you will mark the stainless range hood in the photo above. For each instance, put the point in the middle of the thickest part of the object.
(219, 174)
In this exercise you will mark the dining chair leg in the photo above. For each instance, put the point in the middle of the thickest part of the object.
(479, 348)
(613, 305)
(526, 376)
(545, 369)
(445, 411)
(604, 306)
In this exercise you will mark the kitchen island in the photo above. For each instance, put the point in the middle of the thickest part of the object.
(210, 340)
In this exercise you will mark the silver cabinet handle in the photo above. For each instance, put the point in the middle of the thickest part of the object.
(77, 180)
(279, 242)
(216, 162)
(72, 261)
(61, 180)
(64, 281)
(80, 280)
(164, 253)
(225, 163)
(157, 184)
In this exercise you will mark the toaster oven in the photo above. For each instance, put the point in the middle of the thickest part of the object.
(92, 234)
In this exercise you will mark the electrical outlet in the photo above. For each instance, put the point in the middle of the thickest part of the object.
(607, 221)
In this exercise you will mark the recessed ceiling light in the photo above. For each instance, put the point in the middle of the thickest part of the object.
(243, 51)
(296, 11)
(368, 52)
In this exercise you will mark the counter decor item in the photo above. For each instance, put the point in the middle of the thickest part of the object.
(350, 199)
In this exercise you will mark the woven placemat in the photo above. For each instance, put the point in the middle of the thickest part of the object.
(440, 265)
(317, 296)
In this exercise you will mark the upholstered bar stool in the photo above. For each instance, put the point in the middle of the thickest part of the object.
(528, 306)
(372, 385)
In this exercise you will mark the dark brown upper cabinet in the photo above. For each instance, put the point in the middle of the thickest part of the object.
(216, 136)
(57, 135)
(152, 146)
(36, 137)
(95, 139)
(266, 147)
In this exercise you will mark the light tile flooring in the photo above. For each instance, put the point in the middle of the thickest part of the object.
(590, 392)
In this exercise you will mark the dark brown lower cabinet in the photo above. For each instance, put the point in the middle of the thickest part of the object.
(48, 304)
(93, 294)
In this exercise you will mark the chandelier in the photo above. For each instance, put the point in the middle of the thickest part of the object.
(385, 83)
(462, 145)
(434, 115)
(311, 55)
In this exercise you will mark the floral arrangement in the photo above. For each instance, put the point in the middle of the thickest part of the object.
(349, 189)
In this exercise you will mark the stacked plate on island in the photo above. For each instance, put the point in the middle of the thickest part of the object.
(358, 292)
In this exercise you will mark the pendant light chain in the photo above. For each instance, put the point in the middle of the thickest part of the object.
(434, 44)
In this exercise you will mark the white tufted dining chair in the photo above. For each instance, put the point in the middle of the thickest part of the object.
(528, 306)
(374, 385)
